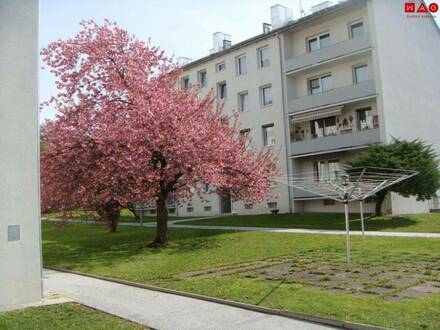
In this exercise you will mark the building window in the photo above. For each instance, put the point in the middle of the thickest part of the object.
(264, 57)
(320, 84)
(243, 101)
(248, 206)
(172, 210)
(207, 208)
(320, 170)
(269, 135)
(323, 127)
(334, 171)
(189, 209)
(360, 73)
(185, 82)
(245, 133)
(202, 78)
(221, 90)
(318, 42)
(266, 95)
(152, 211)
(241, 65)
(357, 30)
(328, 202)
(327, 170)
(220, 66)
(272, 205)
(365, 119)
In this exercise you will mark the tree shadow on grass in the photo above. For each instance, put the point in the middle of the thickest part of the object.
(86, 246)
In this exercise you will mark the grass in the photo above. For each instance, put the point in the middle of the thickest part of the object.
(126, 216)
(90, 248)
(409, 223)
(67, 316)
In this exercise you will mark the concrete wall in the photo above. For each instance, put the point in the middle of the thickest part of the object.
(20, 257)
(254, 119)
(317, 206)
(407, 51)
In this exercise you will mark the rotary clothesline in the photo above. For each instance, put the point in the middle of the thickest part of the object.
(348, 185)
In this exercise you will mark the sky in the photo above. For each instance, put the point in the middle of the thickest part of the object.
(180, 28)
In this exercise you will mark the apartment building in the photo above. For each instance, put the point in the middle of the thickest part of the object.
(318, 89)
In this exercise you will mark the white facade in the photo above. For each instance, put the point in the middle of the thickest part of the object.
(357, 73)
(20, 243)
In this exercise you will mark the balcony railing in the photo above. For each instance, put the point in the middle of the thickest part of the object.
(343, 48)
(335, 96)
(301, 194)
(335, 142)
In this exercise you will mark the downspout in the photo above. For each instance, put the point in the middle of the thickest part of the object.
(285, 122)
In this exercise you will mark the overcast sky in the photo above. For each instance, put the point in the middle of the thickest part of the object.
(181, 28)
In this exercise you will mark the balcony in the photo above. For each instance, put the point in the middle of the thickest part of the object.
(335, 96)
(334, 143)
(302, 194)
(341, 49)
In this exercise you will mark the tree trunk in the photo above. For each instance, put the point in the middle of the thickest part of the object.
(131, 208)
(162, 223)
(380, 197)
(110, 216)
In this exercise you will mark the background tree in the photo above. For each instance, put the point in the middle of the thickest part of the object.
(126, 132)
(409, 155)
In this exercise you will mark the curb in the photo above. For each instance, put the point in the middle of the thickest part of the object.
(266, 310)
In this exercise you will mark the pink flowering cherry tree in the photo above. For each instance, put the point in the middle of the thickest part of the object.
(126, 131)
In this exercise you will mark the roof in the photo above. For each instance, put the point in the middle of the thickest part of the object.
(290, 26)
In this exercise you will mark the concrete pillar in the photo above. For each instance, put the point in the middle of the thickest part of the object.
(20, 241)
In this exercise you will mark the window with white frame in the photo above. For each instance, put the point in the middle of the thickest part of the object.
(325, 170)
(272, 205)
(334, 171)
(356, 30)
(220, 66)
(320, 170)
(221, 90)
(365, 119)
(266, 95)
(360, 73)
(243, 101)
(269, 135)
(318, 42)
(184, 82)
(245, 133)
(323, 127)
(241, 65)
(202, 78)
(263, 57)
(320, 84)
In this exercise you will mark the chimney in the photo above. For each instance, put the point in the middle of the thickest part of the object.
(181, 61)
(221, 42)
(266, 28)
(321, 6)
(280, 16)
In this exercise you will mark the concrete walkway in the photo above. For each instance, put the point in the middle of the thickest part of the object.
(309, 231)
(178, 224)
(163, 310)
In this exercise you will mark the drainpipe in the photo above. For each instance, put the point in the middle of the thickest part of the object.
(285, 122)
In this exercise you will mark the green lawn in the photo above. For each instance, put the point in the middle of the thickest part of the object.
(126, 216)
(409, 223)
(68, 316)
(90, 248)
